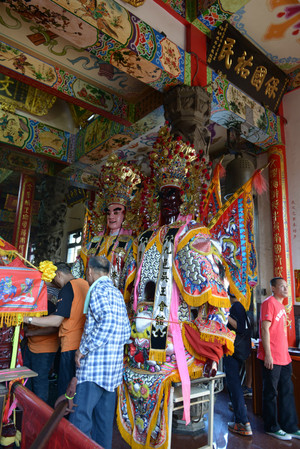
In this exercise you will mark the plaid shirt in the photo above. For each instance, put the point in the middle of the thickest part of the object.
(106, 330)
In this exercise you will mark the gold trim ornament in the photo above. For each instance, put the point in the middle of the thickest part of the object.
(175, 163)
(119, 182)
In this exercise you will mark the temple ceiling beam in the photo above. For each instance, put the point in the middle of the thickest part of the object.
(19, 65)
(115, 35)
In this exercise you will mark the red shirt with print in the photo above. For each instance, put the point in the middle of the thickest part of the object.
(273, 311)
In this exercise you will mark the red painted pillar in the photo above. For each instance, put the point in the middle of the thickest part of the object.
(196, 45)
(23, 214)
(282, 254)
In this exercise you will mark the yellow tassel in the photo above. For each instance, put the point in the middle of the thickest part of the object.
(189, 348)
(164, 393)
(7, 441)
(157, 355)
(229, 344)
(16, 318)
(196, 371)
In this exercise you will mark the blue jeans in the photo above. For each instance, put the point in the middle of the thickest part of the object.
(41, 364)
(278, 382)
(67, 370)
(232, 368)
(95, 412)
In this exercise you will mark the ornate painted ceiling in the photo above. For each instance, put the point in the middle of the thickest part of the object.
(80, 79)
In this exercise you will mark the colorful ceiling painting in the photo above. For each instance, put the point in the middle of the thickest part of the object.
(101, 138)
(104, 59)
(123, 39)
(275, 31)
(61, 82)
(46, 45)
(231, 108)
(33, 136)
(20, 162)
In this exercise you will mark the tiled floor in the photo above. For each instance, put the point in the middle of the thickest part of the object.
(222, 438)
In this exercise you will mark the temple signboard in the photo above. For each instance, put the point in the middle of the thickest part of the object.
(231, 54)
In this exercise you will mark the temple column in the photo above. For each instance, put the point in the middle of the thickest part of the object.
(23, 214)
(187, 109)
(282, 255)
(196, 45)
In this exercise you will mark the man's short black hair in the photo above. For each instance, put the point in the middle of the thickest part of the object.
(274, 281)
(99, 263)
(63, 267)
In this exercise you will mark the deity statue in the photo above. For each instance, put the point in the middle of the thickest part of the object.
(113, 214)
(180, 302)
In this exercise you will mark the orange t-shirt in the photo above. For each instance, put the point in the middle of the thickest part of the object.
(44, 343)
(70, 330)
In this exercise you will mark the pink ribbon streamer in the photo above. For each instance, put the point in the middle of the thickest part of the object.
(180, 354)
(13, 405)
(175, 329)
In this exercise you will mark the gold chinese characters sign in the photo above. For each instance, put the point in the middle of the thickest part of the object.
(246, 67)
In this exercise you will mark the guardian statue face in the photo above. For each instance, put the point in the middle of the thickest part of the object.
(115, 216)
(170, 201)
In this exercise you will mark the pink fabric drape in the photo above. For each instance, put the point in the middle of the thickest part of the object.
(180, 354)
(175, 328)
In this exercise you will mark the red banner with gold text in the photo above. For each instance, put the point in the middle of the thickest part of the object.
(280, 224)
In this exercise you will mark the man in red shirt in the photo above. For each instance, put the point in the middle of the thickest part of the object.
(277, 366)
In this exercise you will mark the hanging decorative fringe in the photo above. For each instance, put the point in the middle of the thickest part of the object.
(157, 355)
(259, 182)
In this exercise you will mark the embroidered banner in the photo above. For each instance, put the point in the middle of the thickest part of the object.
(22, 292)
(9, 255)
(233, 227)
(213, 201)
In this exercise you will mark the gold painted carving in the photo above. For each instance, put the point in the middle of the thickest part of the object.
(9, 106)
(38, 102)
(135, 2)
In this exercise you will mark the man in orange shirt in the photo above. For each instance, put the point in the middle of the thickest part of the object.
(69, 318)
(39, 354)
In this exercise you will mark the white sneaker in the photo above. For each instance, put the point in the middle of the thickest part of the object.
(280, 435)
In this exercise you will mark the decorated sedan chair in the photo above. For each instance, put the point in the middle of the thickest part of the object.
(181, 269)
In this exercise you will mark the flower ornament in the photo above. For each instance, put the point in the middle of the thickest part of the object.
(48, 270)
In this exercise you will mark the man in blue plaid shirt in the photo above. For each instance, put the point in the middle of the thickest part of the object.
(99, 358)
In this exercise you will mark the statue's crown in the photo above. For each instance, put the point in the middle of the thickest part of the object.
(118, 181)
(176, 163)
